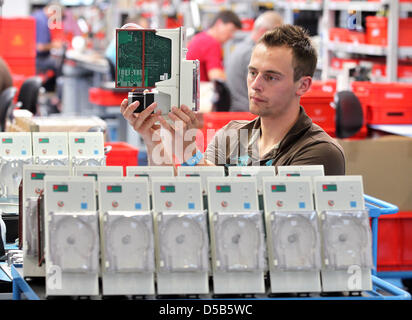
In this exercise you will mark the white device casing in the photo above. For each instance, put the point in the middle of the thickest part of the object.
(50, 148)
(33, 185)
(86, 149)
(72, 236)
(126, 228)
(181, 237)
(340, 204)
(15, 152)
(293, 236)
(232, 272)
(203, 172)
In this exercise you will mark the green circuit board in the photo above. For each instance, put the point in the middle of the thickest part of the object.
(143, 58)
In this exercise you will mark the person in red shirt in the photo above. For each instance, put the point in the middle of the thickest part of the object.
(206, 46)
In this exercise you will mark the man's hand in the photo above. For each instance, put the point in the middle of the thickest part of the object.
(144, 122)
(183, 131)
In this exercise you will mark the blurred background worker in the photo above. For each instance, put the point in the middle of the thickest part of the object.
(6, 80)
(206, 46)
(237, 67)
(47, 17)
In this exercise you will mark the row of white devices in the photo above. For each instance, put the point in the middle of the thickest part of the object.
(48, 148)
(313, 234)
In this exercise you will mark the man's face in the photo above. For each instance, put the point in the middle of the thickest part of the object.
(271, 88)
(226, 31)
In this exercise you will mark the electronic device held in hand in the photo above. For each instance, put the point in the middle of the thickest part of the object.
(152, 62)
(145, 99)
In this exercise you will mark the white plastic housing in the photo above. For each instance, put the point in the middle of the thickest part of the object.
(239, 241)
(295, 241)
(183, 241)
(347, 239)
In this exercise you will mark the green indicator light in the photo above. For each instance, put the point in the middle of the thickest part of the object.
(222, 189)
(244, 175)
(279, 188)
(329, 187)
(111, 189)
(7, 140)
(44, 140)
(90, 175)
(60, 188)
(141, 175)
(293, 175)
(79, 140)
(167, 189)
(37, 176)
(192, 175)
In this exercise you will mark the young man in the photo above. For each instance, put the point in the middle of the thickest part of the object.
(279, 73)
(236, 68)
(206, 46)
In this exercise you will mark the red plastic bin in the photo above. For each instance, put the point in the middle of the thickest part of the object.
(385, 103)
(316, 103)
(18, 37)
(395, 242)
(337, 63)
(377, 31)
(339, 34)
(22, 66)
(356, 37)
(404, 71)
(106, 97)
(122, 154)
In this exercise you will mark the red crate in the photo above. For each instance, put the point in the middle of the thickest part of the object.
(339, 34)
(321, 88)
(385, 103)
(321, 113)
(377, 31)
(22, 66)
(106, 97)
(213, 121)
(317, 104)
(404, 71)
(337, 63)
(122, 154)
(18, 37)
(356, 36)
(395, 242)
(384, 94)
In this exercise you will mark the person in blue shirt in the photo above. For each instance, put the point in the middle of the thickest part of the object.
(45, 15)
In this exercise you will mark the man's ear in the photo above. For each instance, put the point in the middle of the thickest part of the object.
(304, 85)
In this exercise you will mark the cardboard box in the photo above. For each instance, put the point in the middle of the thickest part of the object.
(386, 166)
(59, 123)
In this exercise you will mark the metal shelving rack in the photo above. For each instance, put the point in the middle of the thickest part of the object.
(392, 52)
(288, 8)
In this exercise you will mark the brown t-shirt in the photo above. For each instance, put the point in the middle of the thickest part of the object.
(305, 144)
(5, 76)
